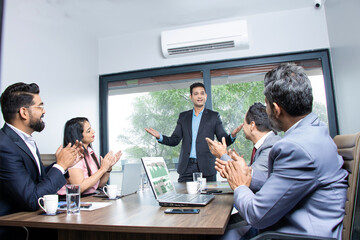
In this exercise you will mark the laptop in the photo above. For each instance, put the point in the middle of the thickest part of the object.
(163, 188)
(130, 182)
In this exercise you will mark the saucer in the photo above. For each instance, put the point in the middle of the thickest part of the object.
(53, 214)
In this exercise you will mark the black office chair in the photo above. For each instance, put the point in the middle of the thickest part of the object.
(349, 148)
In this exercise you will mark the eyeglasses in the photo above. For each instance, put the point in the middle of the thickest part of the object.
(41, 107)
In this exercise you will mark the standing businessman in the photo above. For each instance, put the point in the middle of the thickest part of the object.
(192, 128)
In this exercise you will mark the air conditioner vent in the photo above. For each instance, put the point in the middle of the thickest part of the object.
(202, 47)
(205, 38)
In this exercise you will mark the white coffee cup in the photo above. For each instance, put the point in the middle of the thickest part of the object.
(192, 187)
(110, 191)
(203, 184)
(50, 203)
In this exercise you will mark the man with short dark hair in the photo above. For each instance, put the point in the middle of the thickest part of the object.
(258, 130)
(306, 189)
(192, 128)
(23, 178)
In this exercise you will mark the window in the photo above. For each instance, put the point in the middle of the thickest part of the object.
(154, 98)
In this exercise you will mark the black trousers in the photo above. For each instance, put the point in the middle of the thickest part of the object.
(192, 167)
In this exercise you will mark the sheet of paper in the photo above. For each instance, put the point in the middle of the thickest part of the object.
(96, 205)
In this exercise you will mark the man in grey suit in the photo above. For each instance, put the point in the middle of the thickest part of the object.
(257, 128)
(192, 128)
(306, 189)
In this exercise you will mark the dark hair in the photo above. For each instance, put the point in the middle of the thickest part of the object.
(257, 113)
(289, 87)
(197, 84)
(74, 131)
(16, 96)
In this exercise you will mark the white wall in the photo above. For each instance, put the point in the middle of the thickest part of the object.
(61, 59)
(65, 61)
(344, 34)
(280, 32)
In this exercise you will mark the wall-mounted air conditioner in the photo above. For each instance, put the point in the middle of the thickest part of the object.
(206, 38)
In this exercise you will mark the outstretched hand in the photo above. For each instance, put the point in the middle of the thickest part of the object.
(236, 130)
(153, 132)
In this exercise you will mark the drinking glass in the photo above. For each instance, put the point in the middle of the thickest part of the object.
(197, 177)
(73, 199)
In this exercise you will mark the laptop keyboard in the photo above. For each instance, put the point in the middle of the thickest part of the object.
(183, 198)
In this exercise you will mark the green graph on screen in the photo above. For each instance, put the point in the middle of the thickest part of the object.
(157, 170)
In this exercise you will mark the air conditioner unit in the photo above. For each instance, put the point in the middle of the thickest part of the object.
(206, 38)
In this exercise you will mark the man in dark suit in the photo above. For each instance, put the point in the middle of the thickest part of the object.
(306, 189)
(23, 178)
(257, 129)
(192, 128)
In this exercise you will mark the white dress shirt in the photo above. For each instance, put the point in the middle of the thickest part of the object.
(30, 143)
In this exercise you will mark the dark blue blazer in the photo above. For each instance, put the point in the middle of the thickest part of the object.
(20, 182)
(210, 125)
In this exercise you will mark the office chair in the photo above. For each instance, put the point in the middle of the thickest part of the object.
(349, 148)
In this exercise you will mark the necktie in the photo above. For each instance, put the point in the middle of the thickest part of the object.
(252, 156)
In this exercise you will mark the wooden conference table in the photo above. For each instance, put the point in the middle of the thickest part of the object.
(137, 216)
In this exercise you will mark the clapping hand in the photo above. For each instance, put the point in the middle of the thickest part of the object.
(216, 148)
(110, 159)
(68, 156)
(237, 172)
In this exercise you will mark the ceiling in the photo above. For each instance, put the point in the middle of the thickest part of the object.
(105, 18)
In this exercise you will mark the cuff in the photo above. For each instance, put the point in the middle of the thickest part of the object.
(62, 170)
(232, 139)
(161, 138)
(225, 157)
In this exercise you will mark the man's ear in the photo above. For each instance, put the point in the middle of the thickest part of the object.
(252, 125)
(23, 113)
(277, 110)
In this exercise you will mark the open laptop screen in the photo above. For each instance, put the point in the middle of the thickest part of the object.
(158, 175)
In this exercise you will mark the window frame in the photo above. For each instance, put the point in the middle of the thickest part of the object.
(205, 68)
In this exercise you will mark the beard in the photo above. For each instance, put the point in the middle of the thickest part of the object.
(274, 122)
(37, 124)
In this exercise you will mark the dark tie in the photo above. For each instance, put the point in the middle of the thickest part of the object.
(252, 156)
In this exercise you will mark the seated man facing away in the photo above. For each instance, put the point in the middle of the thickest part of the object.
(306, 189)
(257, 128)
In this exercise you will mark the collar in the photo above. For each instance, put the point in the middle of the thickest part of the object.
(261, 140)
(24, 136)
(294, 126)
(200, 113)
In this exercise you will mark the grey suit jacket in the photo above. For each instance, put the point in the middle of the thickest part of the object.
(210, 125)
(260, 164)
(20, 181)
(306, 189)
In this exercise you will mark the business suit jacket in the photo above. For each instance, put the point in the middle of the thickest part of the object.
(260, 164)
(306, 189)
(20, 182)
(210, 125)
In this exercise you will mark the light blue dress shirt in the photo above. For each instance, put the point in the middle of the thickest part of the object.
(195, 128)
